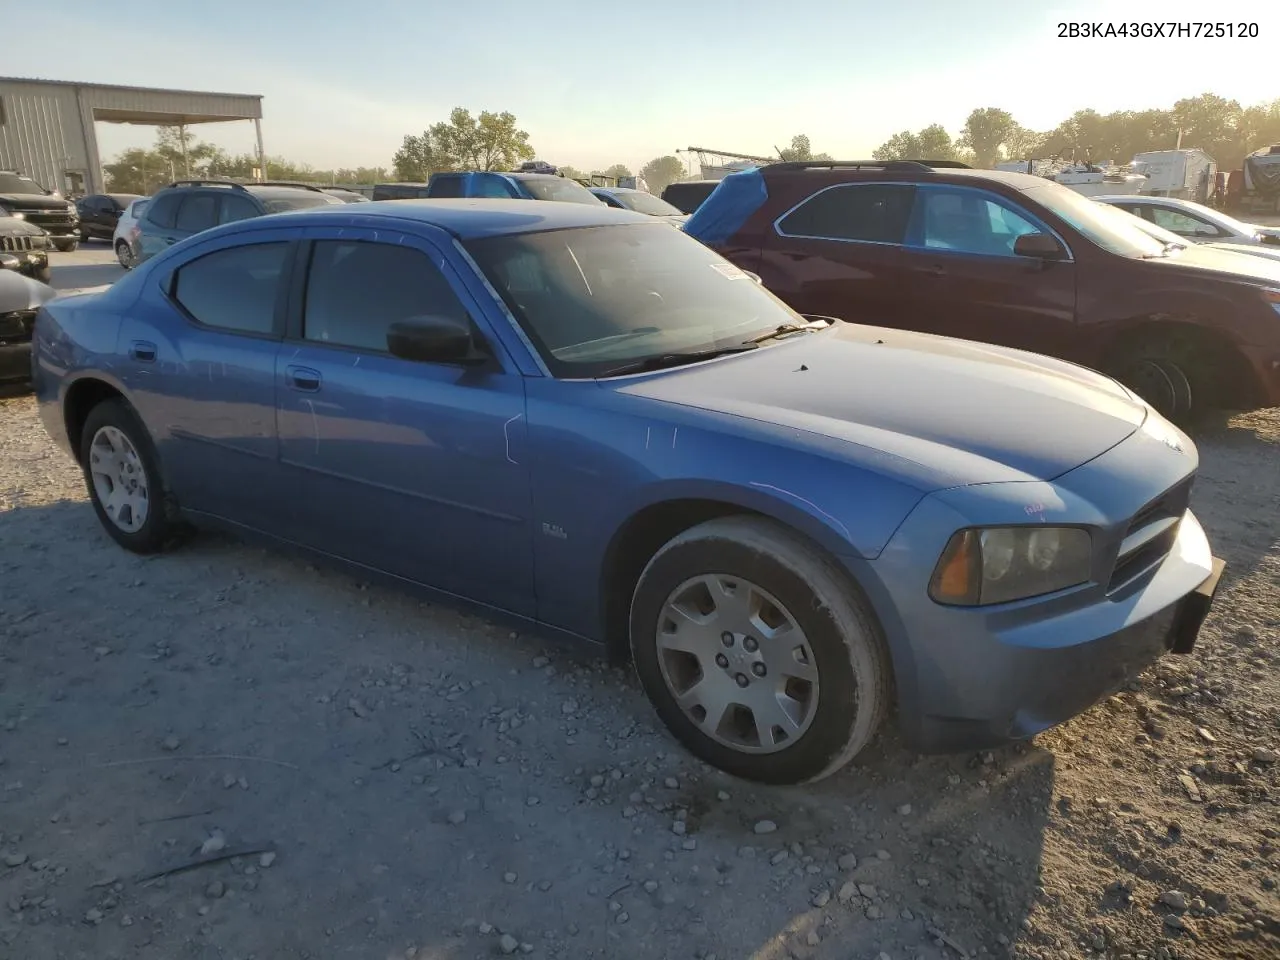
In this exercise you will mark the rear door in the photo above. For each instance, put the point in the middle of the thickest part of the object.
(965, 281)
(155, 229)
(839, 253)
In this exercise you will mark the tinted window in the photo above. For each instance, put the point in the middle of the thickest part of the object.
(197, 213)
(301, 201)
(235, 207)
(875, 212)
(1182, 224)
(494, 188)
(356, 290)
(965, 221)
(445, 187)
(558, 188)
(233, 289)
(610, 201)
(642, 202)
(162, 209)
(688, 196)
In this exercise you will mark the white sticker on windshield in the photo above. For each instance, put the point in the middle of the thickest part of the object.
(729, 271)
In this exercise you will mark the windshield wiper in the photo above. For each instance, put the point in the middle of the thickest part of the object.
(664, 360)
(783, 329)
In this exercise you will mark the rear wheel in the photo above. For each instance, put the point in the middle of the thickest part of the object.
(124, 253)
(757, 653)
(122, 474)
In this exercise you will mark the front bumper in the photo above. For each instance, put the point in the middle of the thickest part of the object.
(29, 263)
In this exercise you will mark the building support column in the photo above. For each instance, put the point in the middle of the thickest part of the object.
(262, 157)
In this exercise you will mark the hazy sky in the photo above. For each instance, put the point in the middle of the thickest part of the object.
(596, 83)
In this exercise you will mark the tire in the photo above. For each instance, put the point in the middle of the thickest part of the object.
(124, 253)
(63, 245)
(832, 637)
(107, 422)
(1161, 380)
(84, 235)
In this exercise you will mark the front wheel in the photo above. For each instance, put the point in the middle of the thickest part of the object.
(122, 474)
(757, 652)
(65, 245)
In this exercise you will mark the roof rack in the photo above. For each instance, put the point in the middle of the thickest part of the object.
(287, 183)
(208, 183)
(902, 166)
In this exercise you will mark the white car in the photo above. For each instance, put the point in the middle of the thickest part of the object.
(1194, 221)
(1269, 251)
(125, 239)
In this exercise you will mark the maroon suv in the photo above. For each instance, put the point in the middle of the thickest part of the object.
(1009, 259)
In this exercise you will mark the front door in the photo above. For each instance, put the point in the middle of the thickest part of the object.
(417, 469)
(966, 281)
(839, 253)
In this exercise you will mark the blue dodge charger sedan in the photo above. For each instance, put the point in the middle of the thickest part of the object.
(582, 419)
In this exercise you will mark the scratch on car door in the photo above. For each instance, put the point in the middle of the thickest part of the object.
(506, 435)
(315, 422)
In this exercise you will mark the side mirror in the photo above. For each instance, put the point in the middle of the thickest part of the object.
(434, 339)
(1040, 246)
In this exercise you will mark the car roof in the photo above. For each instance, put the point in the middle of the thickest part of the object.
(473, 219)
(277, 193)
(849, 173)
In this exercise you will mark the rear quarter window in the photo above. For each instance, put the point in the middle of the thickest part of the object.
(162, 210)
(870, 213)
(233, 289)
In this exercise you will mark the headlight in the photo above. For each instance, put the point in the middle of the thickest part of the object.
(1002, 564)
(1272, 297)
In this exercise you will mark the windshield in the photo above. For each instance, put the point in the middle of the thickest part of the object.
(558, 188)
(300, 202)
(591, 298)
(1109, 228)
(642, 202)
(12, 183)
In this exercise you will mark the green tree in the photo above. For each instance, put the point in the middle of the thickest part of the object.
(985, 132)
(659, 172)
(616, 172)
(800, 150)
(491, 141)
(573, 173)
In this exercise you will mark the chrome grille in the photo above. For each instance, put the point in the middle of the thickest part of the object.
(21, 244)
(1150, 535)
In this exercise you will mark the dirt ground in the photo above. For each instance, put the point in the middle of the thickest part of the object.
(407, 782)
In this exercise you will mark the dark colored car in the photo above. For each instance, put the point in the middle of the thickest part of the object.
(1009, 259)
(687, 195)
(188, 207)
(100, 212)
(585, 422)
(20, 299)
(57, 216)
(24, 247)
(400, 191)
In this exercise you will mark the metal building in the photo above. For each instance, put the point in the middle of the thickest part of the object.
(47, 126)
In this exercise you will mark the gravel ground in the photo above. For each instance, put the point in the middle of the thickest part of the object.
(404, 781)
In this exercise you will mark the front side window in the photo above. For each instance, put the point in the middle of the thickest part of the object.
(872, 212)
(594, 298)
(966, 221)
(1183, 224)
(356, 290)
(197, 213)
(233, 289)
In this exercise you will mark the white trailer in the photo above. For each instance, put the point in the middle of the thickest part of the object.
(1176, 173)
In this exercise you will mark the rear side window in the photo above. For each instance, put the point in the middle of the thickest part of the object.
(446, 187)
(233, 289)
(872, 212)
(162, 210)
(235, 207)
(356, 290)
(198, 212)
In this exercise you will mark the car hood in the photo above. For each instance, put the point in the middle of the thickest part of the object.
(32, 201)
(945, 412)
(1215, 259)
(13, 227)
(1265, 250)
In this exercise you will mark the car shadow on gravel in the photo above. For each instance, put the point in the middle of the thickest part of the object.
(430, 780)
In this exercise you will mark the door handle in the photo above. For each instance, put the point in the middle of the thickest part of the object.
(304, 378)
(142, 351)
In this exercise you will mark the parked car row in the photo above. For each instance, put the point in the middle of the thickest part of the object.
(1007, 259)
(591, 424)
